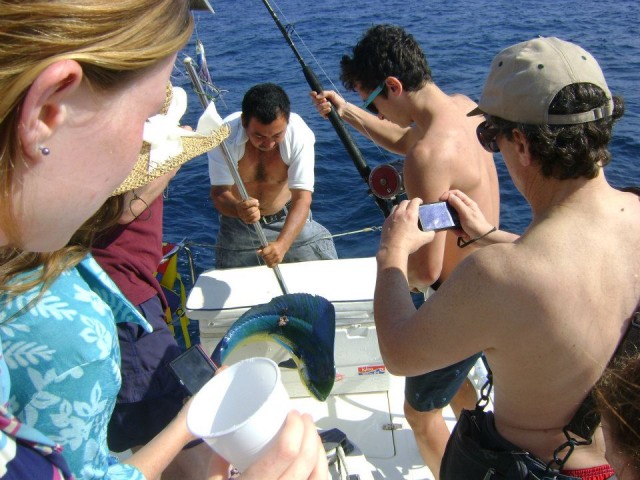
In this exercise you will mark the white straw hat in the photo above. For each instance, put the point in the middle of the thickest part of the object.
(166, 145)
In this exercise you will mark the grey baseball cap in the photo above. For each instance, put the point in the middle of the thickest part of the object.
(525, 78)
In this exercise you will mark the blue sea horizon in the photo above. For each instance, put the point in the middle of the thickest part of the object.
(244, 47)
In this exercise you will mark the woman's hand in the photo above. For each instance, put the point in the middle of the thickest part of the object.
(297, 455)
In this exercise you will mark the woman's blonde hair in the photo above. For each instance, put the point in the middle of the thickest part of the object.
(113, 41)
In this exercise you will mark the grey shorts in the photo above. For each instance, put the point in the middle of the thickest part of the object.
(237, 243)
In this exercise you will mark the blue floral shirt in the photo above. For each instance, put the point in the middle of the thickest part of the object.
(24, 450)
(64, 362)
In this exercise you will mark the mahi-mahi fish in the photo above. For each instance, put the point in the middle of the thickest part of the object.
(302, 323)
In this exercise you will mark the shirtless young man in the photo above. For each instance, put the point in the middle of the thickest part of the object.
(413, 117)
(273, 149)
(547, 309)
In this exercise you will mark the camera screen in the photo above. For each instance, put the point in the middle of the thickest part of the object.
(193, 369)
(437, 216)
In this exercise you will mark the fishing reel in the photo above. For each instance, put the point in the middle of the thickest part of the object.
(387, 181)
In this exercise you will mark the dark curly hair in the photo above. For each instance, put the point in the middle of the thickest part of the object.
(385, 51)
(617, 396)
(265, 102)
(569, 151)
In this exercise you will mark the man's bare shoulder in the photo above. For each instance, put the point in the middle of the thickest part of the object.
(493, 260)
(428, 155)
(451, 135)
(463, 102)
(450, 149)
(503, 268)
(426, 173)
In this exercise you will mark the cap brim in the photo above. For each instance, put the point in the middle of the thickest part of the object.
(474, 112)
(191, 148)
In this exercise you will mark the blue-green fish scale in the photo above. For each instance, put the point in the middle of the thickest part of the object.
(304, 324)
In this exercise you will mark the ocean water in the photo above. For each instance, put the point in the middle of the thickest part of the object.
(460, 38)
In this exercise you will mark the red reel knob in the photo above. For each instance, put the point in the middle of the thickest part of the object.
(386, 181)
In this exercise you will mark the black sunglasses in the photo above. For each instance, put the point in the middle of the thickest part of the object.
(487, 134)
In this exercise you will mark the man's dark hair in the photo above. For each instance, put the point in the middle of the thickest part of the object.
(385, 51)
(265, 102)
(570, 151)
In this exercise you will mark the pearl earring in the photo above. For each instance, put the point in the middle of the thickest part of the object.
(44, 150)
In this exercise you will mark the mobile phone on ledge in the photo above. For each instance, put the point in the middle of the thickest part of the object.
(438, 216)
(193, 369)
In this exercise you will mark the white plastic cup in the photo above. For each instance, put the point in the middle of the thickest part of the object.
(240, 411)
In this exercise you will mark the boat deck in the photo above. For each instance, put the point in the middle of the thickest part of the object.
(366, 402)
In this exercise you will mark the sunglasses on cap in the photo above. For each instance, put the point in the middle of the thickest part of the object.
(487, 135)
(368, 103)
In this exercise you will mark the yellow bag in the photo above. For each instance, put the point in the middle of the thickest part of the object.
(175, 292)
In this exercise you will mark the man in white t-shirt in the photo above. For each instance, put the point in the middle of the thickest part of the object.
(274, 153)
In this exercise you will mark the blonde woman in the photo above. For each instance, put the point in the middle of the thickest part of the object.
(79, 79)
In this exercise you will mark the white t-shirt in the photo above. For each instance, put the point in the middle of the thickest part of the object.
(296, 150)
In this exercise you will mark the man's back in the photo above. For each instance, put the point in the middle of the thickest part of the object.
(447, 156)
(547, 309)
(546, 349)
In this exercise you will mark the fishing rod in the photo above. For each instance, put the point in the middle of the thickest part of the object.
(333, 116)
(204, 101)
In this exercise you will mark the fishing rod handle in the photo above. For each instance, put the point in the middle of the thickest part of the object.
(345, 137)
(338, 125)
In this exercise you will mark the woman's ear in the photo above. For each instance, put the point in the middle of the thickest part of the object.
(42, 110)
